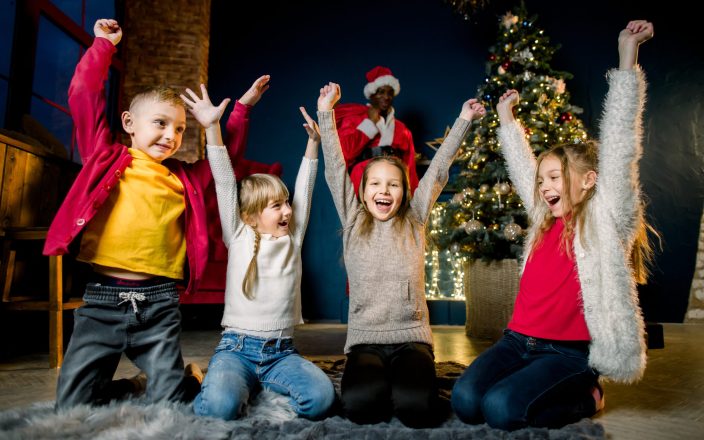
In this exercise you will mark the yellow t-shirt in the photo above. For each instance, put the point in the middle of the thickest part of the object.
(140, 227)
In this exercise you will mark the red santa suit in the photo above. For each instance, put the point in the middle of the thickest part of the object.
(363, 139)
(388, 136)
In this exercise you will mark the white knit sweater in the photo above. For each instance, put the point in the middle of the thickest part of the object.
(277, 289)
(602, 249)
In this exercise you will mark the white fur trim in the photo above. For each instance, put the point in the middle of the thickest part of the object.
(386, 80)
(368, 128)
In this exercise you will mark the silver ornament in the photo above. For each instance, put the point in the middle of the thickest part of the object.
(473, 226)
(512, 231)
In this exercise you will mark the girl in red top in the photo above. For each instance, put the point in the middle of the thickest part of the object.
(576, 316)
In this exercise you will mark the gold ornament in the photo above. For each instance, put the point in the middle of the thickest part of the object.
(473, 226)
(435, 143)
(502, 188)
(512, 231)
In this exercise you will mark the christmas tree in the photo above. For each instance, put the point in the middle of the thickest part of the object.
(485, 219)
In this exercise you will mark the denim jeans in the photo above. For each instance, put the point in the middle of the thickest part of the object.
(142, 322)
(242, 364)
(524, 381)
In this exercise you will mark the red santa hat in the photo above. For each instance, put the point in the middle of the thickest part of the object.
(380, 76)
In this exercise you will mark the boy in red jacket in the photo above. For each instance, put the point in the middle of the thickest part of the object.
(142, 217)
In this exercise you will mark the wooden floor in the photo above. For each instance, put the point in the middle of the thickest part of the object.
(667, 404)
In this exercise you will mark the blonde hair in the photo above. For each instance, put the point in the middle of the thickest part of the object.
(255, 193)
(365, 227)
(579, 159)
(157, 94)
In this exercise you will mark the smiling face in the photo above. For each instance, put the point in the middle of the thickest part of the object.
(155, 127)
(384, 186)
(274, 218)
(263, 203)
(382, 99)
(560, 186)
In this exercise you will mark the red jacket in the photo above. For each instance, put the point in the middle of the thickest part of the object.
(105, 159)
(354, 141)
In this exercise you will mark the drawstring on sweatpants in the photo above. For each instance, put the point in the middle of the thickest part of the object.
(132, 297)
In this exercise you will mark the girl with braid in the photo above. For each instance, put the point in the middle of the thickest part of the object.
(263, 234)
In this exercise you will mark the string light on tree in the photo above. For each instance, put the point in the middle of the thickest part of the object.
(487, 220)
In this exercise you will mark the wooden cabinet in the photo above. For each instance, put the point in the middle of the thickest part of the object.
(33, 184)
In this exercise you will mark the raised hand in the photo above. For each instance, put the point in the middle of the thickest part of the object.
(109, 29)
(310, 125)
(254, 94)
(472, 109)
(373, 114)
(635, 33)
(202, 109)
(507, 102)
(329, 95)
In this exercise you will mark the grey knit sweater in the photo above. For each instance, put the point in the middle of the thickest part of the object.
(386, 269)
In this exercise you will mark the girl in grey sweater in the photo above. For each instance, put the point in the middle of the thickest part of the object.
(390, 364)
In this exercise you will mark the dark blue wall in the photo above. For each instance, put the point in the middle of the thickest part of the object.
(439, 59)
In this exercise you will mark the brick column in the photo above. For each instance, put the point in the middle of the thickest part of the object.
(695, 309)
(167, 43)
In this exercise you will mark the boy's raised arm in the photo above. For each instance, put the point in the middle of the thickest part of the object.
(86, 93)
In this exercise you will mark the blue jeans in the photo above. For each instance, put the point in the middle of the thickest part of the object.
(242, 363)
(524, 381)
(147, 328)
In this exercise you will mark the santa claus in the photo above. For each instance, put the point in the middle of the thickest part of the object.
(371, 130)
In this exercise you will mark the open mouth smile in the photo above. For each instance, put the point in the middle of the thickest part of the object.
(552, 200)
(383, 205)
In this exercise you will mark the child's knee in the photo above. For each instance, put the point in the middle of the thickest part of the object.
(466, 403)
(367, 404)
(219, 404)
(500, 410)
(418, 412)
(317, 401)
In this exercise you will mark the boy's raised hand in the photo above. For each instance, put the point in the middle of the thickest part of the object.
(311, 126)
(329, 95)
(203, 109)
(507, 102)
(109, 29)
(254, 94)
(472, 109)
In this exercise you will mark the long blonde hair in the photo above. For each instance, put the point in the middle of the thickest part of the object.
(255, 193)
(579, 159)
(368, 220)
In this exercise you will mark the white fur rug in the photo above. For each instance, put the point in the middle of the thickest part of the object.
(269, 417)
